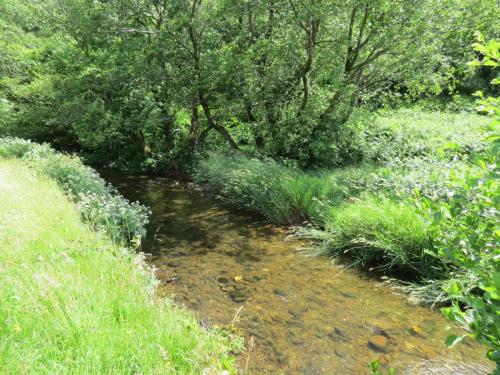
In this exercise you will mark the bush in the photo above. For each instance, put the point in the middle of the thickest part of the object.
(466, 229)
(423, 176)
(100, 205)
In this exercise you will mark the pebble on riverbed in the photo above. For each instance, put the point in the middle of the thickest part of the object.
(338, 335)
(223, 280)
(279, 292)
(416, 330)
(378, 343)
(239, 296)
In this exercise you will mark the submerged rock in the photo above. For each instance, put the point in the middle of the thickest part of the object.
(377, 331)
(239, 296)
(416, 330)
(223, 280)
(412, 301)
(298, 342)
(239, 287)
(297, 312)
(279, 292)
(340, 353)
(378, 343)
(315, 300)
(338, 335)
(348, 295)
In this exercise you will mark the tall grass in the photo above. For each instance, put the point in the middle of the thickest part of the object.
(381, 233)
(73, 302)
(281, 194)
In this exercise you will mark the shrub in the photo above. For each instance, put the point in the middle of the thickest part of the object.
(466, 229)
(99, 204)
(423, 176)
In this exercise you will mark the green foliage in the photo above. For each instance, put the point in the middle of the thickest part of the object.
(466, 230)
(146, 86)
(376, 370)
(72, 301)
(99, 204)
(396, 136)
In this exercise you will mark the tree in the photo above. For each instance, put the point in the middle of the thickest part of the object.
(152, 83)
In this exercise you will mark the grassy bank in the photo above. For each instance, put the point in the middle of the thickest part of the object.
(348, 210)
(73, 301)
(366, 211)
(98, 203)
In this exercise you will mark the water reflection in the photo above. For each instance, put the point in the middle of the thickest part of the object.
(302, 314)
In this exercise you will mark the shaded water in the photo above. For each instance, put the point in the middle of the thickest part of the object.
(299, 315)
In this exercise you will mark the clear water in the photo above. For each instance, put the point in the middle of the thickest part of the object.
(299, 314)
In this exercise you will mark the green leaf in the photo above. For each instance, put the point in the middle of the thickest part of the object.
(493, 355)
(452, 340)
(448, 312)
(454, 289)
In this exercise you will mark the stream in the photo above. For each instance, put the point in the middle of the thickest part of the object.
(298, 314)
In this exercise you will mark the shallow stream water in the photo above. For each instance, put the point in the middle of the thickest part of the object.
(299, 314)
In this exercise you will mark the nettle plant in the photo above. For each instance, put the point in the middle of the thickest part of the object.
(466, 229)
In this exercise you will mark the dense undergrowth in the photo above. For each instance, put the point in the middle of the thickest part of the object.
(72, 299)
(367, 211)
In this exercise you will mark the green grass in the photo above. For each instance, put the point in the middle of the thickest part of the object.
(98, 203)
(281, 194)
(381, 233)
(71, 301)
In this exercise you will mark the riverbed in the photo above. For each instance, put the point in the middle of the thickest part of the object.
(299, 314)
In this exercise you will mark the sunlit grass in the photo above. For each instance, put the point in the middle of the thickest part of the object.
(73, 302)
(412, 132)
(281, 194)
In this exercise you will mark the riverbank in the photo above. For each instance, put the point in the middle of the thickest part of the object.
(299, 314)
(72, 299)
(370, 212)
(427, 213)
